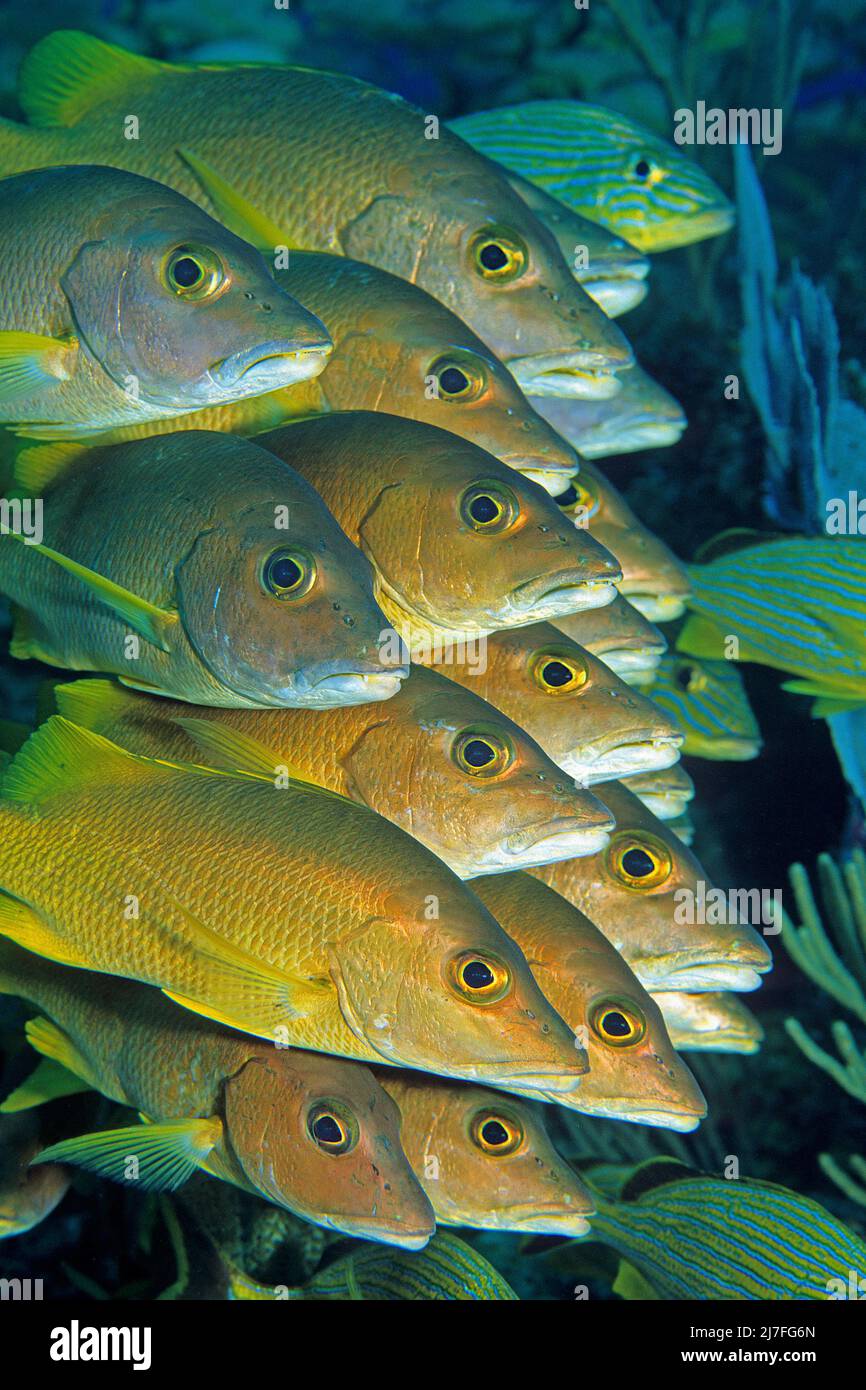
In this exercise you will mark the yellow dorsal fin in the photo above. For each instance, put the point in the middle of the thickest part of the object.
(67, 73)
(233, 751)
(154, 624)
(239, 215)
(60, 756)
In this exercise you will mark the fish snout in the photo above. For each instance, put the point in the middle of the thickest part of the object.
(273, 364)
(561, 837)
(622, 753)
(334, 683)
(577, 374)
(590, 583)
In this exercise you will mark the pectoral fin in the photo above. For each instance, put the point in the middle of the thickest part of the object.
(632, 1285)
(154, 624)
(700, 637)
(50, 1041)
(160, 1156)
(29, 362)
(22, 924)
(48, 1081)
(239, 215)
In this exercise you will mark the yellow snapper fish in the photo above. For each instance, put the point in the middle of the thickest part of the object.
(460, 544)
(271, 906)
(653, 580)
(396, 350)
(709, 702)
(621, 637)
(666, 793)
(198, 566)
(795, 603)
(688, 1235)
(632, 892)
(440, 762)
(27, 1195)
(314, 1134)
(642, 415)
(586, 719)
(121, 303)
(612, 272)
(485, 1160)
(634, 1072)
(605, 166)
(446, 1270)
(264, 148)
(709, 1022)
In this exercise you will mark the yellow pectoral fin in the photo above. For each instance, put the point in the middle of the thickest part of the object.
(235, 752)
(161, 1156)
(49, 1081)
(700, 637)
(830, 699)
(155, 625)
(631, 1284)
(239, 215)
(30, 361)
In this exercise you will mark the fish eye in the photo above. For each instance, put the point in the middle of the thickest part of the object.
(578, 497)
(689, 677)
(457, 380)
(489, 508)
(332, 1128)
(193, 272)
(557, 673)
(482, 754)
(617, 1024)
(639, 861)
(498, 255)
(479, 977)
(642, 168)
(496, 1133)
(288, 574)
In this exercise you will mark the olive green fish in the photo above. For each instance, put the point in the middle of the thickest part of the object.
(692, 1236)
(642, 415)
(634, 1072)
(637, 891)
(796, 603)
(709, 1022)
(709, 702)
(485, 1160)
(653, 580)
(311, 1133)
(440, 762)
(264, 148)
(121, 303)
(396, 350)
(199, 566)
(666, 793)
(272, 906)
(611, 271)
(460, 544)
(447, 1270)
(585, 718)
(605, 166)
(619, 636)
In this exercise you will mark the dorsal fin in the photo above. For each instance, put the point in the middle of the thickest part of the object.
(61, 756)
(734, 539)
(656, 1172)
(67, 73)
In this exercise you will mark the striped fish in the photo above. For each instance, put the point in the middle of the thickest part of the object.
(606, 167)
(697, 1237)
(794, 603)
(450, 1270)
(709, 702)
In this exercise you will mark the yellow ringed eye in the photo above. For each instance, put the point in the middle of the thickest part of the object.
(617, 1024)
(639, 861)
(481, 754)
(498, 255)
(558, 673)
(496, 1133)
(331, 1128)
(489, 508)
(479, 977)
(288, 574)
(193, 272)
(457, 379)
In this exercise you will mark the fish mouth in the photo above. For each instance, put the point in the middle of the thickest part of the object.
(558, 1082)
(584, 376)
(732, 749)
(547, 844)
(658, 608)
(617, 293)
(553, 1221)
(682, 231)
(387, 1233)
(552, 477)
(631, 439)
(270, 366)
(701, 975)
(336, 688)
(539, 599)
(633, 662)
(617, 757)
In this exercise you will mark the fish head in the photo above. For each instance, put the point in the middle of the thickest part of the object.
(318, 1135)
(709, 699)
(586, 719)
(639, 891)
(467, 544)
(487, 1159)
(437, 985)
(182, 314)
(621, 637)
(468, 783)
(643, 415)
(653, 580)
(665, 793)
(472, 243)
(709, 1022)
(277, 602)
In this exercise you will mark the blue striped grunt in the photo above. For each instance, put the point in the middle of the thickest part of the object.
(796, 603)
(450, 1271)
(695, 1236)
(708, 700)
(606, 167)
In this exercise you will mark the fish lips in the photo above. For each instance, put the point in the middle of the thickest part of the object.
(567, 838)
(330, 686)
(587, 376)
(658, 608)
(631, 438)
(616, 294)
(557, 596)
(714, 972)
(615, 756)
(269, 366)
